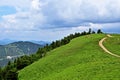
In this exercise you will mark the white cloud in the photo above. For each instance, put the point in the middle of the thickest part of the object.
(77, 15)
(16, 3)
(49, 13)
(10, 18)
(36, 4)
(26, 20)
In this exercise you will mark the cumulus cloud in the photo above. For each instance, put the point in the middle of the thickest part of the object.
(85, 10)
(34, 15)
(67, 13)
(36, 4)
(15, 3)
(25, 19)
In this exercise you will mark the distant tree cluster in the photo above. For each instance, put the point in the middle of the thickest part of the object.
(10, 71)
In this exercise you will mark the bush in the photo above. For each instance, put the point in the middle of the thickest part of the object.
(11, 74)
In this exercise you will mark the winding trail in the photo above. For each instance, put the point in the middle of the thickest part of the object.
(104, 48)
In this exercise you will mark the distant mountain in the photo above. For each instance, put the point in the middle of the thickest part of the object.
(6, 41)
(40, 42)
(17, 49)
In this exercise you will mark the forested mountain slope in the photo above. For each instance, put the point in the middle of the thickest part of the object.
(17, 49)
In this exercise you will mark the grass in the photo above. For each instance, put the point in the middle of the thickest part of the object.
(81, 59)
(113, 44)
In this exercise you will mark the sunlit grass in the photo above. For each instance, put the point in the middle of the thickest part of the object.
(113, 44)
(81, 59)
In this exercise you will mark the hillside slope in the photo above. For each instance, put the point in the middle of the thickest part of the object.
(113, 44)
(81, 59)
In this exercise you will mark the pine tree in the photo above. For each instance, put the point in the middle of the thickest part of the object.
(99, 31)
(0, 73)
(93, 32)
(11, 75)
(89, 32)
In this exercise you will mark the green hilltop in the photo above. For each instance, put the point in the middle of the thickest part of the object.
(81, 59)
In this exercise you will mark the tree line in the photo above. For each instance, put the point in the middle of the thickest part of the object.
(10, 71)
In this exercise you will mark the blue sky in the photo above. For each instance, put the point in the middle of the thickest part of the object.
(6, 10)
(53, 19)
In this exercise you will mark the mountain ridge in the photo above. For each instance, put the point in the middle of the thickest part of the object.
(8, 41)
(17, 49)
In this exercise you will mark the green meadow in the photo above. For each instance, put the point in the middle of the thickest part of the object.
(113, 44)
(81, 59)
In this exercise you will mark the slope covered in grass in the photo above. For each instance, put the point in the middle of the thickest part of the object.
(81, 59)
(113, 44)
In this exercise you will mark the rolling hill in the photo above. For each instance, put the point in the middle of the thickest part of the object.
(17, 49)
(81, 59)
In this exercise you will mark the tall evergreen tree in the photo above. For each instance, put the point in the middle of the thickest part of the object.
(99, 31)
(11, 75)
(90, 30)
(0, 73)
(93, 32)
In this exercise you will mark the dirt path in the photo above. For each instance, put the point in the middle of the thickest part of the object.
(104, 48)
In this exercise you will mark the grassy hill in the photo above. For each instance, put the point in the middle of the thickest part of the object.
(113, 44)
(81, 59)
